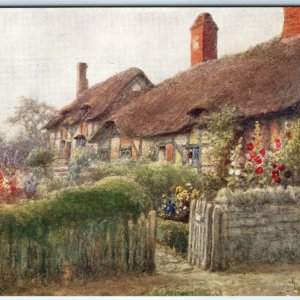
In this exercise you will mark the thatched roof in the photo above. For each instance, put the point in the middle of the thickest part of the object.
(260, 81)
(101, 99)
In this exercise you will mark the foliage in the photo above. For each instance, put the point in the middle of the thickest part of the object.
(80, 160)
(177, 206)
(40, 237)
(41, 157)
(260, 166)
(111, 196)
(160, 179)
(210, 185)
(293, 147)
(31, 115)
(157, 179)
(224, 129)
(173, 234)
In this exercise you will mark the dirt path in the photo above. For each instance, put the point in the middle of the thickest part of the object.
(175, 277)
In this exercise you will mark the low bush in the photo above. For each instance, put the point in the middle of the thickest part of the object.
(156, 178)
(90, 229)
(159, 179)
(173, 234)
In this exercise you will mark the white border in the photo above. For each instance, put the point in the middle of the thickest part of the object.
(210, 3)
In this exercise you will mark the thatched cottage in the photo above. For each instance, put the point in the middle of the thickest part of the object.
(76, 123)
(167, 122)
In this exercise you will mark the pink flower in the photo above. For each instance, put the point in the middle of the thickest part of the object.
(277, 144)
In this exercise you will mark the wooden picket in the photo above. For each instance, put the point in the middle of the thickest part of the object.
(204, 248)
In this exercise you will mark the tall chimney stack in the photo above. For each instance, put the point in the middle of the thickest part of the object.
(82, 82)
(204, 35)
(291, 26)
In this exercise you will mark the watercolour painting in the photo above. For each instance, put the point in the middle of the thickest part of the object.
(150, 151)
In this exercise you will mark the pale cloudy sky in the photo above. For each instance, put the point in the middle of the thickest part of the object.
(39, 47)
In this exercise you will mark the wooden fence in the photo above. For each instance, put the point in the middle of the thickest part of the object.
(205, 235)
(94, 247)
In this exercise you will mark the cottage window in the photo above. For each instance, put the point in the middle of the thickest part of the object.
(162, 153)
(125, 153)
(62, 144)
(193, 155)
(80, 141)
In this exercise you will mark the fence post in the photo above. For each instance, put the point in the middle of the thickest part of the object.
(216, 235)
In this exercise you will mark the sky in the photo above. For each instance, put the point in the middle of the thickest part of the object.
(40, 47)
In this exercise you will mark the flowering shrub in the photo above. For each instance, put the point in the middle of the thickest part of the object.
(8, 189)
(260, 166)
(292, 148)
(177, 206)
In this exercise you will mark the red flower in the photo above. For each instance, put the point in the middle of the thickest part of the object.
(275, 174)
(250, 147)
(281, 167)
(287, 174)
(262, 152)
(277, 180)
(274, 166)
(252, 154)
(259, 170)
(277, 144)
(258, 160)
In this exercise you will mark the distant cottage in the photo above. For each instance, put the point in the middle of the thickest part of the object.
(127, 117)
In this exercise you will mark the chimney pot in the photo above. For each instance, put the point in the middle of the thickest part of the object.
(291, 26)
(204, 34)
(82, 82)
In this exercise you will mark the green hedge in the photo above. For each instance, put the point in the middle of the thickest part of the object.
(155, 178)
(173, 234)
(110, 196)
(92, 229)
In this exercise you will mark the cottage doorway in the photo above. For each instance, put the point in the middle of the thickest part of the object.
(68, 150)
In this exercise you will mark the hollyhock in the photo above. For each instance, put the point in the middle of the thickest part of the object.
(258, 160)
(262, 152)
(259, 170)
(275, 174)
(252, 154)
(277, 144)
(281, 167)
(277, 180)
(250, 147)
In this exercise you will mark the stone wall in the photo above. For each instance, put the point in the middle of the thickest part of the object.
(242, 228)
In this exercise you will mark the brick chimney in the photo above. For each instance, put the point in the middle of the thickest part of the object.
(82, 82)
(204, 34)
(291, 26)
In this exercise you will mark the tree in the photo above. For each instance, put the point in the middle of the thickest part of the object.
(31, 115)
(41, 158)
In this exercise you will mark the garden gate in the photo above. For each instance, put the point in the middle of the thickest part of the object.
(205, 235)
